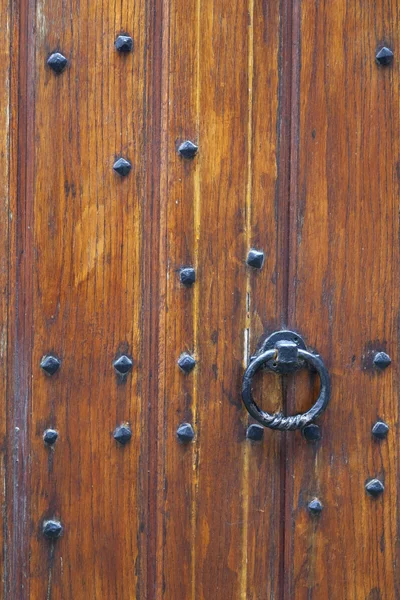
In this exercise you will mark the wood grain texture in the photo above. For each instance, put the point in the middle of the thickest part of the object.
(297, 129)
(87, 300)
(344, 297)
(215, 502)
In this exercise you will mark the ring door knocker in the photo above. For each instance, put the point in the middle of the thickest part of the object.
(285, 352)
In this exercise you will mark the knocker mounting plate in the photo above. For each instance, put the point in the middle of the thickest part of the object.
(285, 362)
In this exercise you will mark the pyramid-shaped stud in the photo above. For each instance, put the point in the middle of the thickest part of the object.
(185, 433)
(122, 167)
(186, 363)
(255, 433)
(50, 364)
(187, 275)
(375, 487)
(255, 258)
(382, 360)
(52, 529)
(123, 364)
(384, 56)
(380, 430)
(124, 43)
(188, 149)
(315, 506)
(57, 62)
(122, 434)
(50, 436)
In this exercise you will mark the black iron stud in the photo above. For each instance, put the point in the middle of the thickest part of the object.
(315, 506)
(124, 43)
(380, 430)
(384, 57)
(186, 362)
(374, 487)
(57, 62)
(255, 433)
(188, 149)
(50, 436)
(185, 433)
(123, 364)
(122, 167)
(52, 529)
(382, 360)
(50, 364)
(187, 275)
(312, 433)
(255, 259)
(123, 434)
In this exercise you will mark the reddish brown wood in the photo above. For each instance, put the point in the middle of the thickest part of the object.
(344, 297)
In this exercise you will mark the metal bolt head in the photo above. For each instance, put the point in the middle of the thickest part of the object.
(374, 487)
(57, 62)
(50, 436)
(186, 363)
(312, 433)
(187, 275)
(188, 149)
(123, 364)
(315, 506)
(255, 433)
(185, 433)
(382, 360)
(123, 434)
(380, 430)
(52, 529)
(255, 258)
(50, 364)
(124, 43)
(384, 57)
(122, 167)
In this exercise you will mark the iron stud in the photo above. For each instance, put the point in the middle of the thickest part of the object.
(122, 167)
(380, 430)
(57, 62)
(50, 436)
(123, 434)
(382, 360)
(186, 363)
(255, 258)
(315, 506)
(52, 529)
(123, 364)
(384, 56)
(188, 149)
(50, 364)
(312, 432)
(255, 433)
(187, 276)
(374, 487)
(185, 433)
(124, 43)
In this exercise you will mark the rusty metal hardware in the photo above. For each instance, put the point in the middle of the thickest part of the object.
(285, 352)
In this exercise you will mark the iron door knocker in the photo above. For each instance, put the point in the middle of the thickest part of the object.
(285, 352)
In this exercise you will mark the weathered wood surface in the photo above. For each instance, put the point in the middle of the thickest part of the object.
(297, 129)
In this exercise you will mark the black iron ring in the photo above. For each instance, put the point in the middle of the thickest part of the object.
(279, 420)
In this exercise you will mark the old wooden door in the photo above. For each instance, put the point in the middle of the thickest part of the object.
(180, 179)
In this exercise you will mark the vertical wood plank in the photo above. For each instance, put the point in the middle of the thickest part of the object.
(345, 299)
(223, 91)
(89, 300)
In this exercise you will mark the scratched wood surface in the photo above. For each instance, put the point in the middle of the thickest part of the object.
(297, 134)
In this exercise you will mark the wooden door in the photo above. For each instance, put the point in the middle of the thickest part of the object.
(130, 312)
